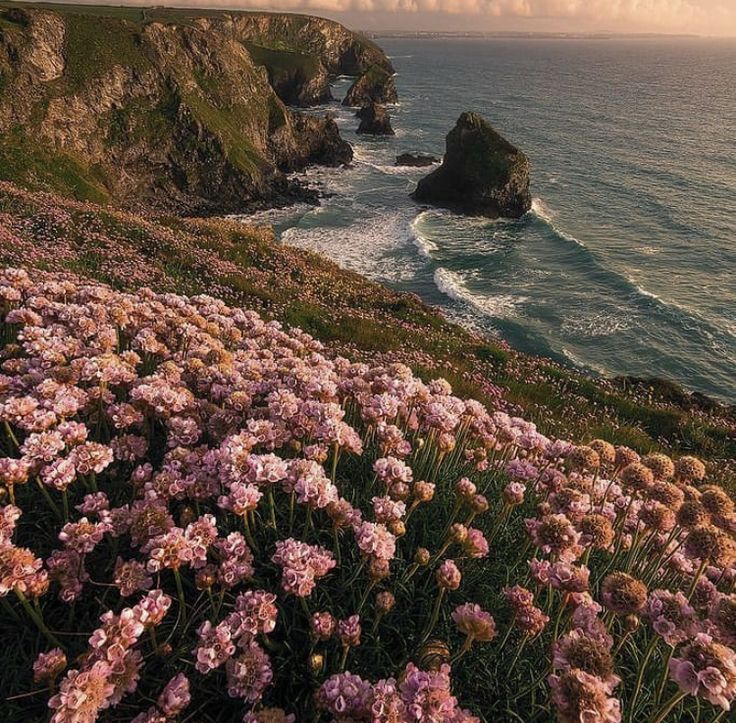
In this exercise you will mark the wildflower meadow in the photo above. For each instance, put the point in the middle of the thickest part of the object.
(208, 517)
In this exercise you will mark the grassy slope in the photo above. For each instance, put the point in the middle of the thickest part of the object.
(245, 266)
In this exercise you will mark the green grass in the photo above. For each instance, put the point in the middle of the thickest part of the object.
(283, 61)
(95, 45)
(39, 167)
(227, 124)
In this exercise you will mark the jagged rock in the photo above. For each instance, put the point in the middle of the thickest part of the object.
(375, 121)
(318, 141)
(481, 174)
(375, 85)
(179, 113)
(415, 160)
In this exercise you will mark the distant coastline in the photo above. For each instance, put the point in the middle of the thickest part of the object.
(473, 35)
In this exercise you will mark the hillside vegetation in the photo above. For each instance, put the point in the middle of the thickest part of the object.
(247, 267)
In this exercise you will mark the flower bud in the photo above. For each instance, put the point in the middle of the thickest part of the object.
(316, 663)
(422, 556)
(458, 533)
(397, 527)
(399, 491)
(385, 602)
(479, 504)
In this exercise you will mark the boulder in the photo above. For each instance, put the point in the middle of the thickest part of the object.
(375, 121)
(415, 160)
(481, 174)
(375, 85)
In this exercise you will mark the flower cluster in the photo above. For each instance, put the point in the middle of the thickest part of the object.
(245, 511)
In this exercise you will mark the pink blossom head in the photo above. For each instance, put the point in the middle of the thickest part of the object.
(175, 696)
(448, 575)
(475, 622)
(349, 630)
(323, 625)
(49, 666)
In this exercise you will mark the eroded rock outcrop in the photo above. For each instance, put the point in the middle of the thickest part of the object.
(375, 85)
(481, 174)
(172, 111)
(374, 121)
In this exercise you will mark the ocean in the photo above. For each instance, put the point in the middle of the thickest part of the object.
(626, 263)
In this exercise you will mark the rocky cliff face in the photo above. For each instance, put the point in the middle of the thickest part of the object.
(169, 109)
(481, 174)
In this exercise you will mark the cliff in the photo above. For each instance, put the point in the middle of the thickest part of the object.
(183, 111)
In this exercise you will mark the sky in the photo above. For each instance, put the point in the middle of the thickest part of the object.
(705, 17)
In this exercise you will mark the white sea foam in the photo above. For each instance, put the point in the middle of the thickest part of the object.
(543, 212)
(425, 245)
(497, 306)
(271, 216)
(373, 244)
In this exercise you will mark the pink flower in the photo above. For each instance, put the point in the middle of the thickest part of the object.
(241, 499)
(175, 696)
(170, 550)
(82, 694)
(671, 616)
(82, 536)
(323, 625)
(255, 613)
(349, 630)
(579, 696)
(215, 646)
(706, 669)
(427, 695)
(475, 622)
(131, 576)
(475, 544)
(345, 695)
(375, 540)
(249, 674)
(49, 665)
(301, 565)
(448, 575)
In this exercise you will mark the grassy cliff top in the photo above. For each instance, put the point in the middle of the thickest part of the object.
(247, 267)
(290, 26)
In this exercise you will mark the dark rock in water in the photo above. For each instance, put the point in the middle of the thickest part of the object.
(375, 121)
(318, 141)
(376, 85)
(416, 160)
(481, 174)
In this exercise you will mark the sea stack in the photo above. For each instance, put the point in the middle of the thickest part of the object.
(374, 120)
(482, 174)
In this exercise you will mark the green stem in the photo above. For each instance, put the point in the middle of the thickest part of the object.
(54, 507)
(640, 677)
(344, 657)
(272, 506)
(665, 675)
(435, 615)
(180, 593)
(669, 705)
(37, 619)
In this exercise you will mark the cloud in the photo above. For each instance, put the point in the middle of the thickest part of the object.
(717, 16)
(633, 10)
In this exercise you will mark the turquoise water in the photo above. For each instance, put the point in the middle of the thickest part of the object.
(627, 262)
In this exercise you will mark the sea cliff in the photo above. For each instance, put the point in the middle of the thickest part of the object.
(180, 111)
